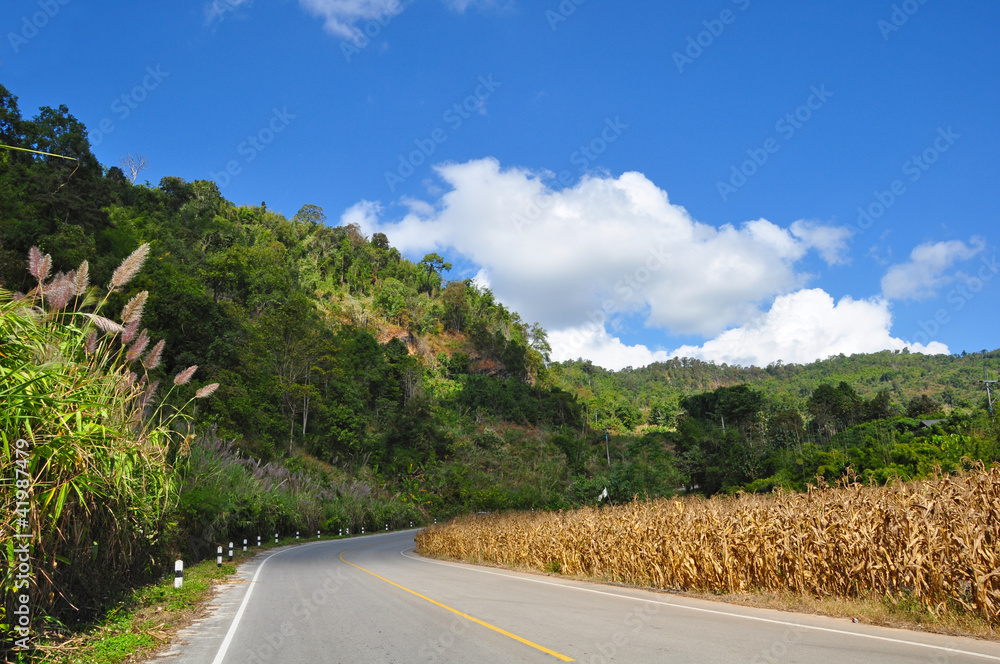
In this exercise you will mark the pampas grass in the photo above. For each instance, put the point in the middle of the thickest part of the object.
(101, 486)
(129, 267)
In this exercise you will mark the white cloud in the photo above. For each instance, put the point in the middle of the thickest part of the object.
(806, 326)
(482, 278)
(602, 249)
(417, 206)
(340, 16)
(926, 271)
(830, 241)
(800, 327)
(461, 5)
(583, 259)
(595, 344)
(216, 10)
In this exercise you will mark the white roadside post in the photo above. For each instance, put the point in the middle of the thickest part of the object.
(178, 574)
(230, 552)
(218, 561)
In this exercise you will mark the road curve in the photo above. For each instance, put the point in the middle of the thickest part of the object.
(371, 599)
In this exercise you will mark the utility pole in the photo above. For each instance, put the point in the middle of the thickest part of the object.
(989, 394)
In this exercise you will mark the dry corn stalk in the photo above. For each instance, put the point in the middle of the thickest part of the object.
(936, 541)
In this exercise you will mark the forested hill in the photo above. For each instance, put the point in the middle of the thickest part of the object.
(319, 336)
(948, 380)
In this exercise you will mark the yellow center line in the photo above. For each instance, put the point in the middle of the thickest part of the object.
(464, 615)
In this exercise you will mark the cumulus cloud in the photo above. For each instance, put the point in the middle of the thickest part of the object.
(927, 270)
(595, 344)
(602, 249)
(584, 259)
(806, 326)
(800, 327)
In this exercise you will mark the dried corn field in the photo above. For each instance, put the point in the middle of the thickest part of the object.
(934, 541)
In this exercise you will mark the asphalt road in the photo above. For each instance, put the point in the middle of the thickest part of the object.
(371, 599)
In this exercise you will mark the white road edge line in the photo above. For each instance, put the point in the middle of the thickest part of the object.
(246, 600)
(695, 608)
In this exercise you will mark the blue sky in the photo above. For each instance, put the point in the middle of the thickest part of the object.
(645, 179)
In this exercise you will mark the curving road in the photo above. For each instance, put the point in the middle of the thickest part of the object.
(371, 599)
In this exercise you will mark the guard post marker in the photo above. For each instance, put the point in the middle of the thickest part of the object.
(258, 540)
(244, 545)
(178, 574)
(276, 538)
(296, 534)
(230, 552)
(317, 534)
(218, 561)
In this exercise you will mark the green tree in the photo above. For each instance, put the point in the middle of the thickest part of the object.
(433, 266)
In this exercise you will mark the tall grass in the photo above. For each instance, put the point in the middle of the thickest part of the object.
(76, 385)
(936, 542)
(227, 496)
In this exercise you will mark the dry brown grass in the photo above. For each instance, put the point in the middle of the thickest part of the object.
(933, 544)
